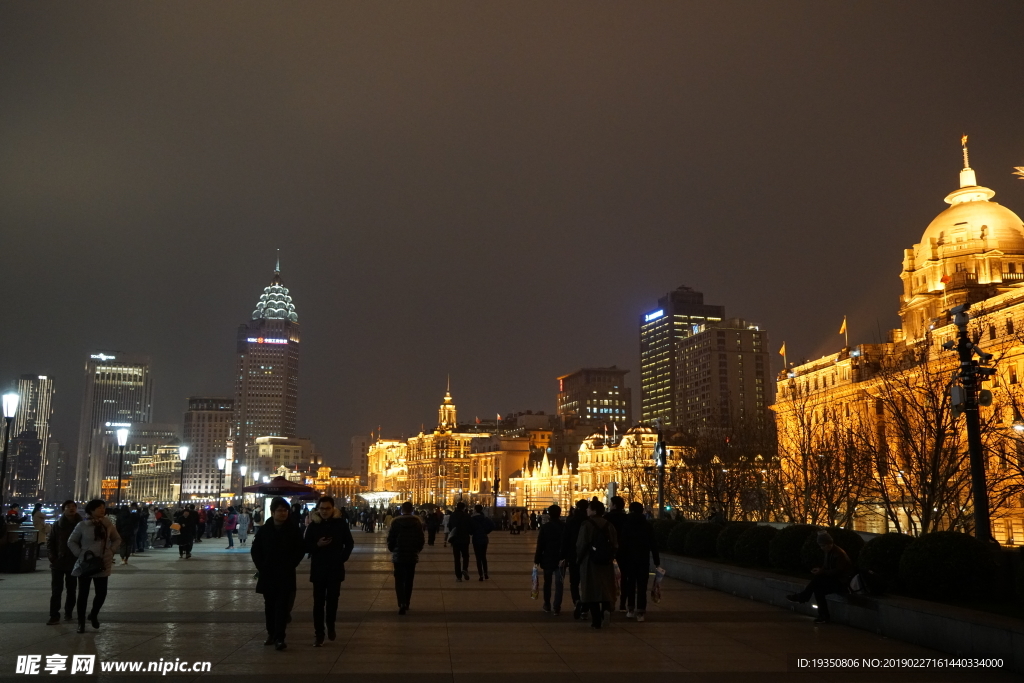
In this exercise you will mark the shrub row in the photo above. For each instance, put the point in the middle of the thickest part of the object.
(940, 564)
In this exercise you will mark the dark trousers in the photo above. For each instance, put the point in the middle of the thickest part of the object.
(480, 552)
(574, 580)
(431, 535)
(634, 586)
(83, 595)
(463, 550)
(277, 607)
(405, 572)
(185, 542)
(597, 610)
(140, 539)
(60, 581)
(819, 587)
(127, 545)
(231, 540)
(325, 595)
(559, 580)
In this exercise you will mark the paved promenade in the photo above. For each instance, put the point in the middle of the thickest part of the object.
(205, 609)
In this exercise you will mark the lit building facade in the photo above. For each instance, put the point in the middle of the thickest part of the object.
(358, 460)
(208, 424)
(156, 476)
(273, 452)
(118, 389)
(267, 377)
(725, 379)
(872, 394)
(143, 440)
(25, 466)
(676, 317)
(343, 485)
(35, 409)
(597, 394)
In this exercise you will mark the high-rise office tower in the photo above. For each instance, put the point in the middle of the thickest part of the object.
(597, 394)
(58, 473)
(267, 379)
(208, 425)
(25, 466)
(359, 462)
(678, 315)
(35, 408)
(725, 378)
(118, 389)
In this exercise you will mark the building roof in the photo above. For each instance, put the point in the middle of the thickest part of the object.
(275, 303)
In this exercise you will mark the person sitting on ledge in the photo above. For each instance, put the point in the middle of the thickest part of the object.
(831, 577)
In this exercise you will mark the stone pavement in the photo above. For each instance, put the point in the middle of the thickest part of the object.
(205, 609)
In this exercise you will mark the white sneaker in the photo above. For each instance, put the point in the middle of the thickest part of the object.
(630, 614)
(639, 616)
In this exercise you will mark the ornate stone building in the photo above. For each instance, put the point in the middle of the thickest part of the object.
(889, 402)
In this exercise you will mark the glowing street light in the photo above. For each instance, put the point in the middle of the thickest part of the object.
(182, 454)
(10, 410)
(122, 441)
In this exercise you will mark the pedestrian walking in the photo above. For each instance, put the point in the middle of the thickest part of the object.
(444, 525)
(405, 541)
(127, 529)
(595, 551)
(186, 521)
(480, 525)
(616, 515)
(433, 522)
(62, 562)
(200, 525)
(230, 525)
(93, 542)
(459, 534)
(276, 551)
(244, 521)
(637, 547)
(831, 576)
(569, 559)
(141, 532)
(329, 544)
(548, 556)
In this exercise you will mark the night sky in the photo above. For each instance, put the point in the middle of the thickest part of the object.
(495, 190)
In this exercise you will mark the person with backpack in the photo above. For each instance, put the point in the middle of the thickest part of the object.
(230, 525)
(595, 552)
(459, 535)
(405, 541)
(569, 559)
(329, 544)
(548, 555)
(637, 546)
(480, 525)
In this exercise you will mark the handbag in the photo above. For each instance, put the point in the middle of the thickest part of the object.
(91, 565)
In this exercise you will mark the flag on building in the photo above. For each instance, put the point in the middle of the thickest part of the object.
(782, 351)
(842, 330)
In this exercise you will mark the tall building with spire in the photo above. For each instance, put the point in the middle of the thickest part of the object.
(267, 377)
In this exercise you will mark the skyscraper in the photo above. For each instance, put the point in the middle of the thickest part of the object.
(597, 394)
(118, 389)
(208, 424)
(359, 462)
(35, 408)
(678, 315)
(267, 380)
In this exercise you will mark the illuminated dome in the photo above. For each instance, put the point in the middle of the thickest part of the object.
(275, 302)
(978, 218)
(640, 429)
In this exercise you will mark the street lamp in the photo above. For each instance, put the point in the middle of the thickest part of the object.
(220, 466)
(122, 441)
(182, 453)
(242, 469)
(10, 409)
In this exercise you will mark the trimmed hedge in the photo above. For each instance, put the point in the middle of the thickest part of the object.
(811, 553)
(881, 556)
(662, 529)
(677, 538)
(726, 542)
(945, 564)
(784, 550)
(751, 548)
(700, 542)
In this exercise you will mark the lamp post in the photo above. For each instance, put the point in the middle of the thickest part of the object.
(183, 454)
(220, 466)
(660, 453)
(10, 410)
(242, 469)
(122, 441)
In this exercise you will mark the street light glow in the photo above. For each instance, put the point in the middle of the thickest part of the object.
(243, 469)
(11, 404)
(122, 437)
(220, 463)
(183, 452)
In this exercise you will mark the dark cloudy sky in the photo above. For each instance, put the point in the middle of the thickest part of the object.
(491, 189)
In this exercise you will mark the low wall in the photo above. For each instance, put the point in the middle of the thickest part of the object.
(953, 630)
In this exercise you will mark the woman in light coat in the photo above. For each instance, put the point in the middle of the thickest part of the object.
(96, 535)
(244, 520)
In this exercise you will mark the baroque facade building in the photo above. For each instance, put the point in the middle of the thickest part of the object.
(880, 413)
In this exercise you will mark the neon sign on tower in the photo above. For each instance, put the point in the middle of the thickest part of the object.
(266, 340)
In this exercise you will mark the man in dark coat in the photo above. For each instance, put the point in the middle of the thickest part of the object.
(572, 532)
(480, 525)
(62, 561)
(459, 533)
(329, 544)
(549, 554)
(832, 576)
(616, 515)
(636, 548)
(186, 521)
(596, 548)
(405, 541)
(433, 522)
(276, 551)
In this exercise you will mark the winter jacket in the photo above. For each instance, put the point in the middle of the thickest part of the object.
(459, 528)
(103, 542)
(433, 521)
(327, 563)
(597, 581)
(636, 543)
(571, 535)
(244, 521)
(479, 526)
(617, 518)
(549, 544)
(188, 524)
(405, 539)
(276, 551)
(61, 556)
(231, 522)
(836, 563)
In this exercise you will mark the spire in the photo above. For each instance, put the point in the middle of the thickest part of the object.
(275, 303)
(967, 177)
(969, 190)
(277, 268)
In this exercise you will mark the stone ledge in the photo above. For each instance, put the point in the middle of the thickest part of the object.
(954, 630)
